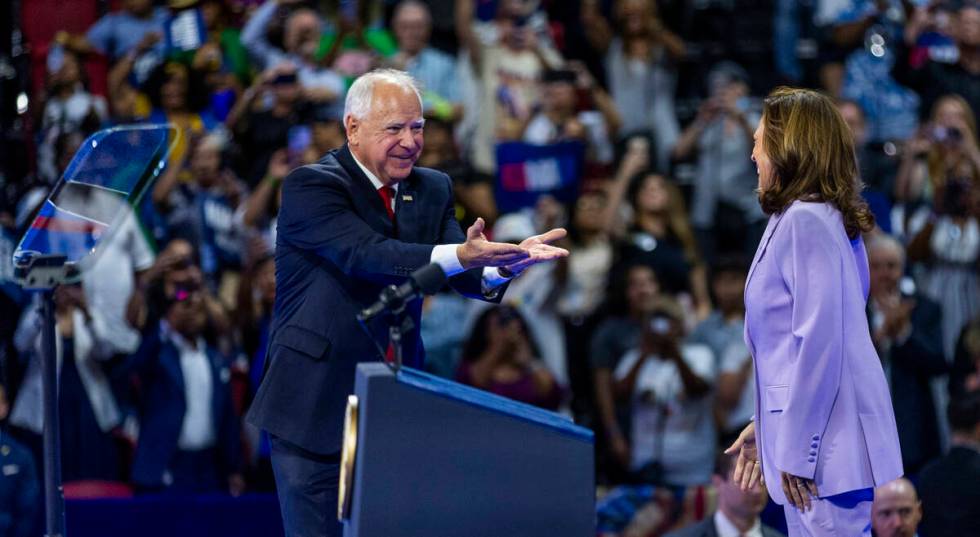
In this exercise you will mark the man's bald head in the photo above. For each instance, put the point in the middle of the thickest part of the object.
(896, 511)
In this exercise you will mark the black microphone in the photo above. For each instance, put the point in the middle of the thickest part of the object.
(426, 280)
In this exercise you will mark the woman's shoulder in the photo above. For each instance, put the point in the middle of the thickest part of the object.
(813, 213)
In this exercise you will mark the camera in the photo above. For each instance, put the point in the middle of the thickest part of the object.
(946, 135)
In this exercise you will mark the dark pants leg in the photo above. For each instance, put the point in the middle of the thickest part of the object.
(307, 484)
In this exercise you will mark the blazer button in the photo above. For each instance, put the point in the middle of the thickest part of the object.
(811, 459)
(816, 437)
(813, 453)
(814, 445)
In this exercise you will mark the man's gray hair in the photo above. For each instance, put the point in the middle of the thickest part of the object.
(880, 239)
(361, 92)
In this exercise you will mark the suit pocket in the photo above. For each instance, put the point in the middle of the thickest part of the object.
(776, 398)
(303, 341)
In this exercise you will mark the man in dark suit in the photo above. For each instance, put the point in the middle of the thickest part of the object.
(361, 218)
(907, 333)
(738, 510)
(950, 494)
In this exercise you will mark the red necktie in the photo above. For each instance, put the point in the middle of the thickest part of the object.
(387, 194)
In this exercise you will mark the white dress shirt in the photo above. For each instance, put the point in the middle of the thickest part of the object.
(443, 255)
(726, 528)
(197, 428)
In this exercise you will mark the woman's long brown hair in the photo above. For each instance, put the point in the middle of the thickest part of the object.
(812, 154)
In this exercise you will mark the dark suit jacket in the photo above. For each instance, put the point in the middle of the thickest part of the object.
(913, 364)
(157, 362)
(951, 495)
(706, 528)
(336, 249)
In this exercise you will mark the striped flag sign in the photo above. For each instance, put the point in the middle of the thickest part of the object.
(525, 172)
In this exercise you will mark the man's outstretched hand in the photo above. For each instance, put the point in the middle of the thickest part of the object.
(477, 251)
(513, 259)
(540, 250)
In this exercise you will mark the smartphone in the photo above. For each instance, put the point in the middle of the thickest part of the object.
(300, 137)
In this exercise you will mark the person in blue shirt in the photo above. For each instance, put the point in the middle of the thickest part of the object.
(411, 23)
(137, 27)
(19, 487)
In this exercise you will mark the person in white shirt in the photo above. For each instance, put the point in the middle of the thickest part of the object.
(738, 511)
(669, 383)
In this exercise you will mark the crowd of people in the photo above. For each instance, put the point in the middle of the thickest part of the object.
(637, 335)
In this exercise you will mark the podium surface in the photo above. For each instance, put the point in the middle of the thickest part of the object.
(438, 459)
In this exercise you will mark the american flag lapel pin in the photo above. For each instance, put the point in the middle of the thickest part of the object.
(406, 197)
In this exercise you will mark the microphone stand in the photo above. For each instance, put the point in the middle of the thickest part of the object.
(398, 323)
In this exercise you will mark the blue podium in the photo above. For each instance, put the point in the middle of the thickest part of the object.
(424, 456)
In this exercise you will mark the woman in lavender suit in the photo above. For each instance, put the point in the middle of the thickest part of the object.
(824, 432)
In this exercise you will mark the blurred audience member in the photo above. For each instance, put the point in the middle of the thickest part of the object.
(172, 93)
(738, 510)
(301, 38)
(660, 234)
(508, 56)
(473, 189)
(199, 203)
(944, 151)
(435, 70)
(138, 27)
(633, 296)
(86, 403)
(965, 373)
(933, 78)
(355, 38)
(721, 331)
(639, 56)
(724, 325)
(947, 246)
(20, 487)
(907, 331)
(872, 29)
(561, 120)
(68, 108)
(580, 290)
(724, 207)
(262, 130)
(501, 358)
(669, 384)
(189, 433)
(950, 494)
(533, 295)
(877, 162)
(896, 510)
(260, 211)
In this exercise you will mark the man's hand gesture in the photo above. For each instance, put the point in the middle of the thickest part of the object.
(477, 251)
(539, 250)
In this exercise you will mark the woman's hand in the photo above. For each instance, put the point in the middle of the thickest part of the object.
(748, 470)
(798, 490)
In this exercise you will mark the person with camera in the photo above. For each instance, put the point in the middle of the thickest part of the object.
(669, 384)
(944, 237)
(907, 332)
(189, 431)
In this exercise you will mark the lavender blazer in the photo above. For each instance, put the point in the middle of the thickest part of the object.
(823, 408)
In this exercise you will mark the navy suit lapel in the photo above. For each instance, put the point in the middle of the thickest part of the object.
(407, 210)
(170, 361)
(366, 199)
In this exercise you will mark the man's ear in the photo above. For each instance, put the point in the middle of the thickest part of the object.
(352, 126)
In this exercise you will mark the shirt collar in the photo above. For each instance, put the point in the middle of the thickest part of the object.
(726, 528)
(371, 177)
(178, 340)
